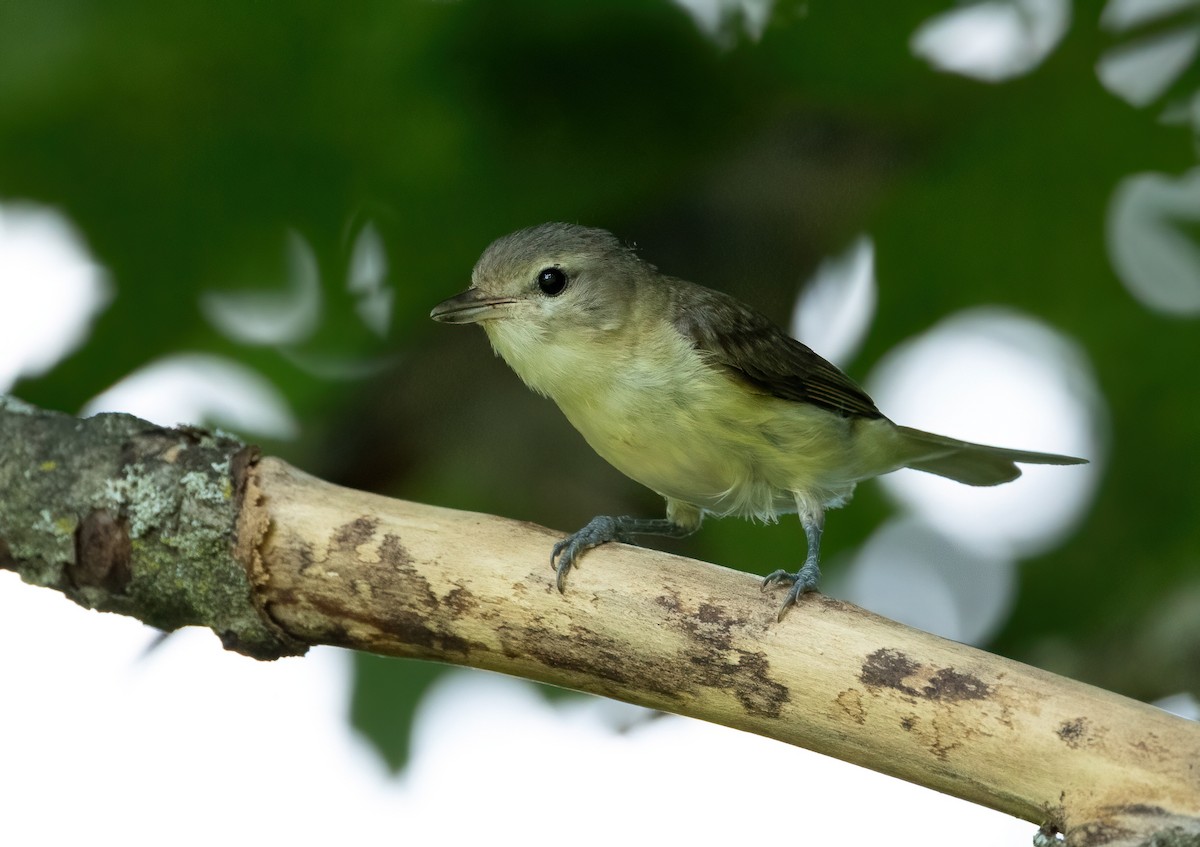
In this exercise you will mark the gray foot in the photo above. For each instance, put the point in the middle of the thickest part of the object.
(603, 529)
(802, 581)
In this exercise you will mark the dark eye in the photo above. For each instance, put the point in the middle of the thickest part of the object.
(552, 281)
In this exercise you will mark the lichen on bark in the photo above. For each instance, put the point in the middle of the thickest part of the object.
(126, 516)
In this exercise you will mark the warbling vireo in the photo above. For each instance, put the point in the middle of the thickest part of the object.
(692, 393)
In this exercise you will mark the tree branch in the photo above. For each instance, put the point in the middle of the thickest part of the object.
(180, 527)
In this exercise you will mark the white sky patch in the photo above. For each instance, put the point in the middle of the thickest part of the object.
(996, 377)
(203, 390)
(1139, 72)
(51, 289)
(1184, 704)
(266, 317)
(715, 18)
(993, 40)
(206, 740)
(287, 317)
(1142, 69)
(912, 574)
(367, 280)
(1158, 262)
(835, 307)
(1123, 14)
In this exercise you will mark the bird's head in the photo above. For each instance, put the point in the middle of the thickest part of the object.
(547, 280)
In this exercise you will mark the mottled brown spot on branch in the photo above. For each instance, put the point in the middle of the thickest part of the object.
(713, 661)
(461, 601)
(1073, 732)
(591, 655)
(394, 605)
(949, 685)
(392, 552)
(670, 602)
(708, 660)
(850, 702)
(412, 627)
(349, 536)
(889, 668)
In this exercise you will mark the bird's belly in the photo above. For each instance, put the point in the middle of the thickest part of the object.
(726, 451)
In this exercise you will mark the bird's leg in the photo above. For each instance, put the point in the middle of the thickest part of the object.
(603, 529)
(812, 518)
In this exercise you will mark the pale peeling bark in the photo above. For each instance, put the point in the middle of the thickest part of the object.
(328, 565)
(337, 566)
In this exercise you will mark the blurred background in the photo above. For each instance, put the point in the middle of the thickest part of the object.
(240, 214)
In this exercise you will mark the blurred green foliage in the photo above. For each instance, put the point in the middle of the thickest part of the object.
(185, 140)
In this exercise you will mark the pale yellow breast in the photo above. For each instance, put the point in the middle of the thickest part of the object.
(658, 412)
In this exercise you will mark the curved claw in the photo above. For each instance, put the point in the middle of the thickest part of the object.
(600, 530)
(570, 553)
(778, 576)
(802, 581)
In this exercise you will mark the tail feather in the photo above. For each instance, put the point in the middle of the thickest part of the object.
(972, 464)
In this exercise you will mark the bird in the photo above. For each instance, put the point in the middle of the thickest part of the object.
(693, 394)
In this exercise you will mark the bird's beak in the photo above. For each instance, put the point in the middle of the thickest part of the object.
(470, 307)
